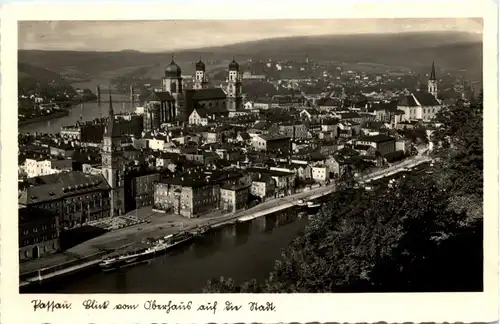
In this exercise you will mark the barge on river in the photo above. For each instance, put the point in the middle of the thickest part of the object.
(144, 251)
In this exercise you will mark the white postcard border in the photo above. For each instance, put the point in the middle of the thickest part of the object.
(439, 307)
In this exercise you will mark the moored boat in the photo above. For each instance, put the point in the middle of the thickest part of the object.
(168, 242)
(300, 202)
(202, 230)
(313, 208)
(128, 255)
(180, 238)
(142, 252)
(311, 204)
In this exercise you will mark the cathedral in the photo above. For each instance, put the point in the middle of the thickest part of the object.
(173, 103)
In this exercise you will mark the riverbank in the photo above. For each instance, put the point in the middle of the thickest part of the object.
(91, 110)
(38, 119)
(63, 112)
(88, 254)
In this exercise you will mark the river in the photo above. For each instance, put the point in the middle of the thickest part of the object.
(242, 251)
(91, 110)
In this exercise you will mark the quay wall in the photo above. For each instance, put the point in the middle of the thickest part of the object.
(90, 261)
(29, 276)
(280, 207)
(34, 120)
(70, 267)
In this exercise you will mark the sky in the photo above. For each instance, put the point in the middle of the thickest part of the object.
(155, 36)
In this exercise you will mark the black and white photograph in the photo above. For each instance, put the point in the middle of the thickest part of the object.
(250, 156)
(260, 163)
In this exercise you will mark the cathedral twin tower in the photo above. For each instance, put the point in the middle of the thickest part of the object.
(172, 83)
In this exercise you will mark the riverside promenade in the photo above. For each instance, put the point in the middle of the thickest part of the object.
(88, 254)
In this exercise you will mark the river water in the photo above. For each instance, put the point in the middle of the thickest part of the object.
(91, 110)
(242, 251)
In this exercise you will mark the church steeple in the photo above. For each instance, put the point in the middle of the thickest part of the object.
(432, 86)
(433, 73)
(111, 112)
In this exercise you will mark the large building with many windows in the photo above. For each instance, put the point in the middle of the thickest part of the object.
(139, 189)
(234, 197)
(38, 232)
(196, 192)
(77, 198)
(190, 195)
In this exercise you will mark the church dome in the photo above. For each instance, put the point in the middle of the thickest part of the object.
(200, 66)
(234, 66)
(172, 70)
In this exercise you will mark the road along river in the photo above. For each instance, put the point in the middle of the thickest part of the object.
(242, 251)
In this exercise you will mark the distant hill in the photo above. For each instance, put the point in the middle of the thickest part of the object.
(99, 63)
(450, 50)
(28, 71)
(42, 81)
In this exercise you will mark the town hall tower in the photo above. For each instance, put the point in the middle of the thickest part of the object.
(111, 164)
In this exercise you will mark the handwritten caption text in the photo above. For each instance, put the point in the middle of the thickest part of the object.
(153, 305)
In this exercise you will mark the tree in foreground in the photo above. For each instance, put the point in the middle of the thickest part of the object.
(365, 242)
(413, 237)
(459, 149)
